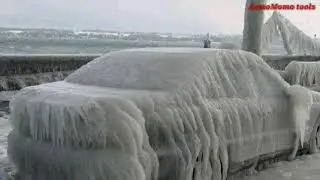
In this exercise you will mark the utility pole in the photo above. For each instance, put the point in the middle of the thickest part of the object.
(252, 31)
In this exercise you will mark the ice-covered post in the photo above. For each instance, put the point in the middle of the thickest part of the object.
(253, 23)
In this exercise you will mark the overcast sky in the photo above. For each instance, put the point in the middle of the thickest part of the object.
(185, 16)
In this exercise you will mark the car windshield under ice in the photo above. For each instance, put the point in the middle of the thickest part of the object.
(151, 69)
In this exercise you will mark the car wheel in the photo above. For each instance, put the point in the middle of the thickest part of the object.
(314, 145)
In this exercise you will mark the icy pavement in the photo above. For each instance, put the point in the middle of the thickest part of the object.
(303, 168)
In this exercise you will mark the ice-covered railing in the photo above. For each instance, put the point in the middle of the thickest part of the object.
(295, 41)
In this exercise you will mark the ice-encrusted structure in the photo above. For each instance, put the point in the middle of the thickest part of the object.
(253, 25)
(303, 73)
(155, 114)
(295, 41)
(270, 31)
(301, 101)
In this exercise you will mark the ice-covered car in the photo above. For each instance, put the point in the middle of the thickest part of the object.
(159, 114)
(304, 73)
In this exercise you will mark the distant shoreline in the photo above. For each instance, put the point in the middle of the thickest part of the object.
(13, 28)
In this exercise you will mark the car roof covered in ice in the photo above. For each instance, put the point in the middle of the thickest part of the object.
(163, 68)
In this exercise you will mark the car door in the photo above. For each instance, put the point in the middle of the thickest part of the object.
(255, 116)
(277, 129)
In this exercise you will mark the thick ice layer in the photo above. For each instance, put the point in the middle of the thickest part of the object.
(131, 122)
(303, 73)
(252, 30)
(301, 101)
(270, 31)
(295, 41)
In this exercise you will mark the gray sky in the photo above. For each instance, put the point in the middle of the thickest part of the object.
(185, 16)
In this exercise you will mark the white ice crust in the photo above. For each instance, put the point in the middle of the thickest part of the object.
(253, 27)
(295, 41)
(303, 73)
(148, 114)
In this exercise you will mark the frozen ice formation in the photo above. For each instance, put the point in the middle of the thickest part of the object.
(270, 31)
(303, 73)
(295, 41)
(301, 100)
(156, 114)
(253, 26)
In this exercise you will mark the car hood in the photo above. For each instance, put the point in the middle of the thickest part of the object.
(76, 127)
